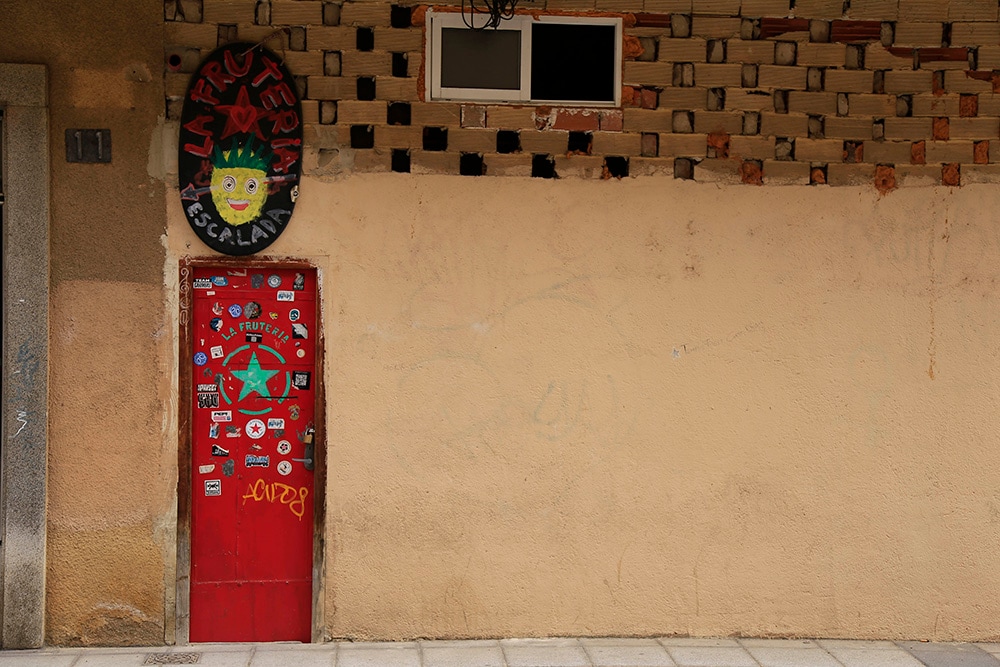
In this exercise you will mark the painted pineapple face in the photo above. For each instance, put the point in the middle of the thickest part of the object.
(239, 181)
(239, 193)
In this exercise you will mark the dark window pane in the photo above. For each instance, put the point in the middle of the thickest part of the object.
(480, 58)
(573, 62)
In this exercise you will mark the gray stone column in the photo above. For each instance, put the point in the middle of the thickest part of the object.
(24, 99)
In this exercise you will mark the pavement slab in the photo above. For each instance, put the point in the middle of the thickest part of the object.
(711, 656)
(463, 656)
(629, 656)
(950, 655)
(544, 653)
(874, 657)
(773, 656)
(559, 652)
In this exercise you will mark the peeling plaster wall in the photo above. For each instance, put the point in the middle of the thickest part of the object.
(650, 406)
(112, 470)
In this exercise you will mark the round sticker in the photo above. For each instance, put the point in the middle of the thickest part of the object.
(284, 447)
(274, 280)
(284, 468)
(200, 358)
(217, 308)
(293, 315)
(240, 148)
(256, 428)
(235, 310)
(301, 353)
(216, 324)
(252, 310)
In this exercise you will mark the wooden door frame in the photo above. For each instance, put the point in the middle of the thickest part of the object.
(184, 471)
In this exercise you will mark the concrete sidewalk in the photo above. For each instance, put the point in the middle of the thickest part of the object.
(610, 652)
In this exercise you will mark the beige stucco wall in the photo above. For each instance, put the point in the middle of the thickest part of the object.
(653, 406)
(569, 407)
(112, 467)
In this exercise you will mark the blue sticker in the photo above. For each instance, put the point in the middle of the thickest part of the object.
(294, 314)
(274, 280)
(200, 358)
(220, 281)
(235, 310)
(216, 324)
(254, 461)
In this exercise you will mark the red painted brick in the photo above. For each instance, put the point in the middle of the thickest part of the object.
(901, 51)
(720, 142)
(577, 121)
(645, 20)
(855, 31)
(648, 98)
(630, 97)
(938, 54)
(751, 173)
(885, 178)
(940, 129)
(951, 174)
(968, 106)
(611, 120)
(631, 47)
(772, 27)
(918, 152)
(981, 152)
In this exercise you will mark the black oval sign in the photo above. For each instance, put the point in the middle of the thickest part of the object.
(240, 149)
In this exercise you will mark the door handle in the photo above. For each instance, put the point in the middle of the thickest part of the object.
(307, 461)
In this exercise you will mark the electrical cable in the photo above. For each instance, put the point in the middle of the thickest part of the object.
(498, 10)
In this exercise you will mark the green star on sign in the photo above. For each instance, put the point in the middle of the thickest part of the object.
(254, 378)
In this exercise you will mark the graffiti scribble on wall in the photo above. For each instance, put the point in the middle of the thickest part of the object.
(240, 149)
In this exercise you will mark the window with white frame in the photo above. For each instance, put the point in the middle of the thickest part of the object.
(566, 60)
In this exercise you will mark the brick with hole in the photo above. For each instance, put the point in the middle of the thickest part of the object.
(847, 128)
(331, 38)
(781, 77)
(778, 172)
(974, 128)
(296, 12)
(756, 148)
(949, 151)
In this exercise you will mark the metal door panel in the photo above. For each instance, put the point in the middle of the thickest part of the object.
(253, 403)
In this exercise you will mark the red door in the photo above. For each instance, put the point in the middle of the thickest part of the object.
(253, 402)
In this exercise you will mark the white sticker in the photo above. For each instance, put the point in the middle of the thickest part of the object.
(222, 415)
(274, 423)
(284, 448)
(213, 487)
(255, 428)
(216, 351)
(204, 470)
(286, 295)
(301, 352)
(284, 468)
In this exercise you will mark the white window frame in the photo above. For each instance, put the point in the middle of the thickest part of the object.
(437, 21)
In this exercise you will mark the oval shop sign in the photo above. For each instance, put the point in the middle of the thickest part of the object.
(240, 149)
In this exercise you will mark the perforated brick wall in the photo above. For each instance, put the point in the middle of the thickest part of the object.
(886, 92)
